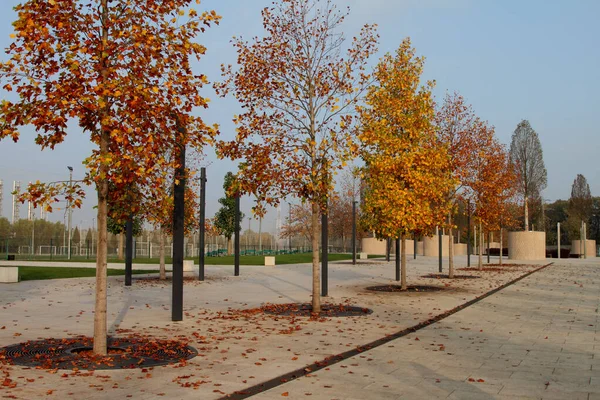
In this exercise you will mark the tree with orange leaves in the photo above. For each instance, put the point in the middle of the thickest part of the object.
(122, 70)
(406, 167)
(494, 185)
(298, 93)
(463, 133)
(496, 194)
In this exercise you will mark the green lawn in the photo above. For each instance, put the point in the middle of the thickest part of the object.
(39, 273)
(279, 260)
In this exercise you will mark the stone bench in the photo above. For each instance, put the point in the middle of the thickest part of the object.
(9, 274)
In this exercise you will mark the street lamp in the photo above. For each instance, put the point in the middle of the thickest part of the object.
(69, 209)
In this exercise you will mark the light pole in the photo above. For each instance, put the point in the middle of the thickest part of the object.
(69, 209)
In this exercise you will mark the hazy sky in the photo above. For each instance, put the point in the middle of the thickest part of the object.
(511, 59)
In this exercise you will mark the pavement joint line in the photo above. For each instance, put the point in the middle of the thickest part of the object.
(335, 359)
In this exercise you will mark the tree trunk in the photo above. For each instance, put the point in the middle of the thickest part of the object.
(403, 263)
(526, 215)
(480, 263)
(100, 325)
(500, 262)
(161, 254)
(316, 281)
(450, 248)
(121, 246)
(229, 246)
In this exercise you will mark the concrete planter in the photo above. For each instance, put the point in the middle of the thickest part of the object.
(460, 249)
(9, 274)
(373, 246)
(431, 246)
(363, 256)
(590, 248)
(527, 245)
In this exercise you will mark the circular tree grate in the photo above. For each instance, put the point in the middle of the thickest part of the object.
(410, 289)
(305, 310)
(445, 276)
(77, 353)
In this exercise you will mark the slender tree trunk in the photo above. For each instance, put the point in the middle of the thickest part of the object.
(229, 246)
(316, 281)
(450, 248)
(480, 263)
(100, 325)
(526, 214)
(403, 263)
(500, 262)
(161, 254)
(121, 246)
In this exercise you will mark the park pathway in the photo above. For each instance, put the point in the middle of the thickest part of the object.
(537, 339)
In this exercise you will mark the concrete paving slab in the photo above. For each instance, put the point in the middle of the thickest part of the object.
(238, 350)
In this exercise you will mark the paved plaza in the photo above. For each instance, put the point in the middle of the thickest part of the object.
(533, 339)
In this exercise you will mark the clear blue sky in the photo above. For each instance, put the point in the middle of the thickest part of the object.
(511, 59)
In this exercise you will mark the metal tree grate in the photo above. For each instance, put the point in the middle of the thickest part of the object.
(124, 353)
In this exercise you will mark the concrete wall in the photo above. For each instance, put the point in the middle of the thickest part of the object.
(460, 249)
(373, 246)
(431, 245)
(526, 245)
(590, 248)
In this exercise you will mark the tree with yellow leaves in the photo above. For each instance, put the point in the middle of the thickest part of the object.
(406, 167)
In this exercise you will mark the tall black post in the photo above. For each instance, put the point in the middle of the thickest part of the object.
(354, 233)
(440, 250)
(202, 223)
(236, 242)
(469, 234)
(388, 249)
(415, 242)
(178, 237)
(324, 254)
(398, 259)
(128, 250)
(488, 246)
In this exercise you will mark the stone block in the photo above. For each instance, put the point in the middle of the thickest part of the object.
(9, 274)
(188, 265)
(269, 261)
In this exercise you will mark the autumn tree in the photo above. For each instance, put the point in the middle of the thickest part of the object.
(495, 192)
(225, 217)
(406, 167)
(527, 156)
(299, 223)
(122, 70)
(493, 187)
(298, 93)
(463, 133)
